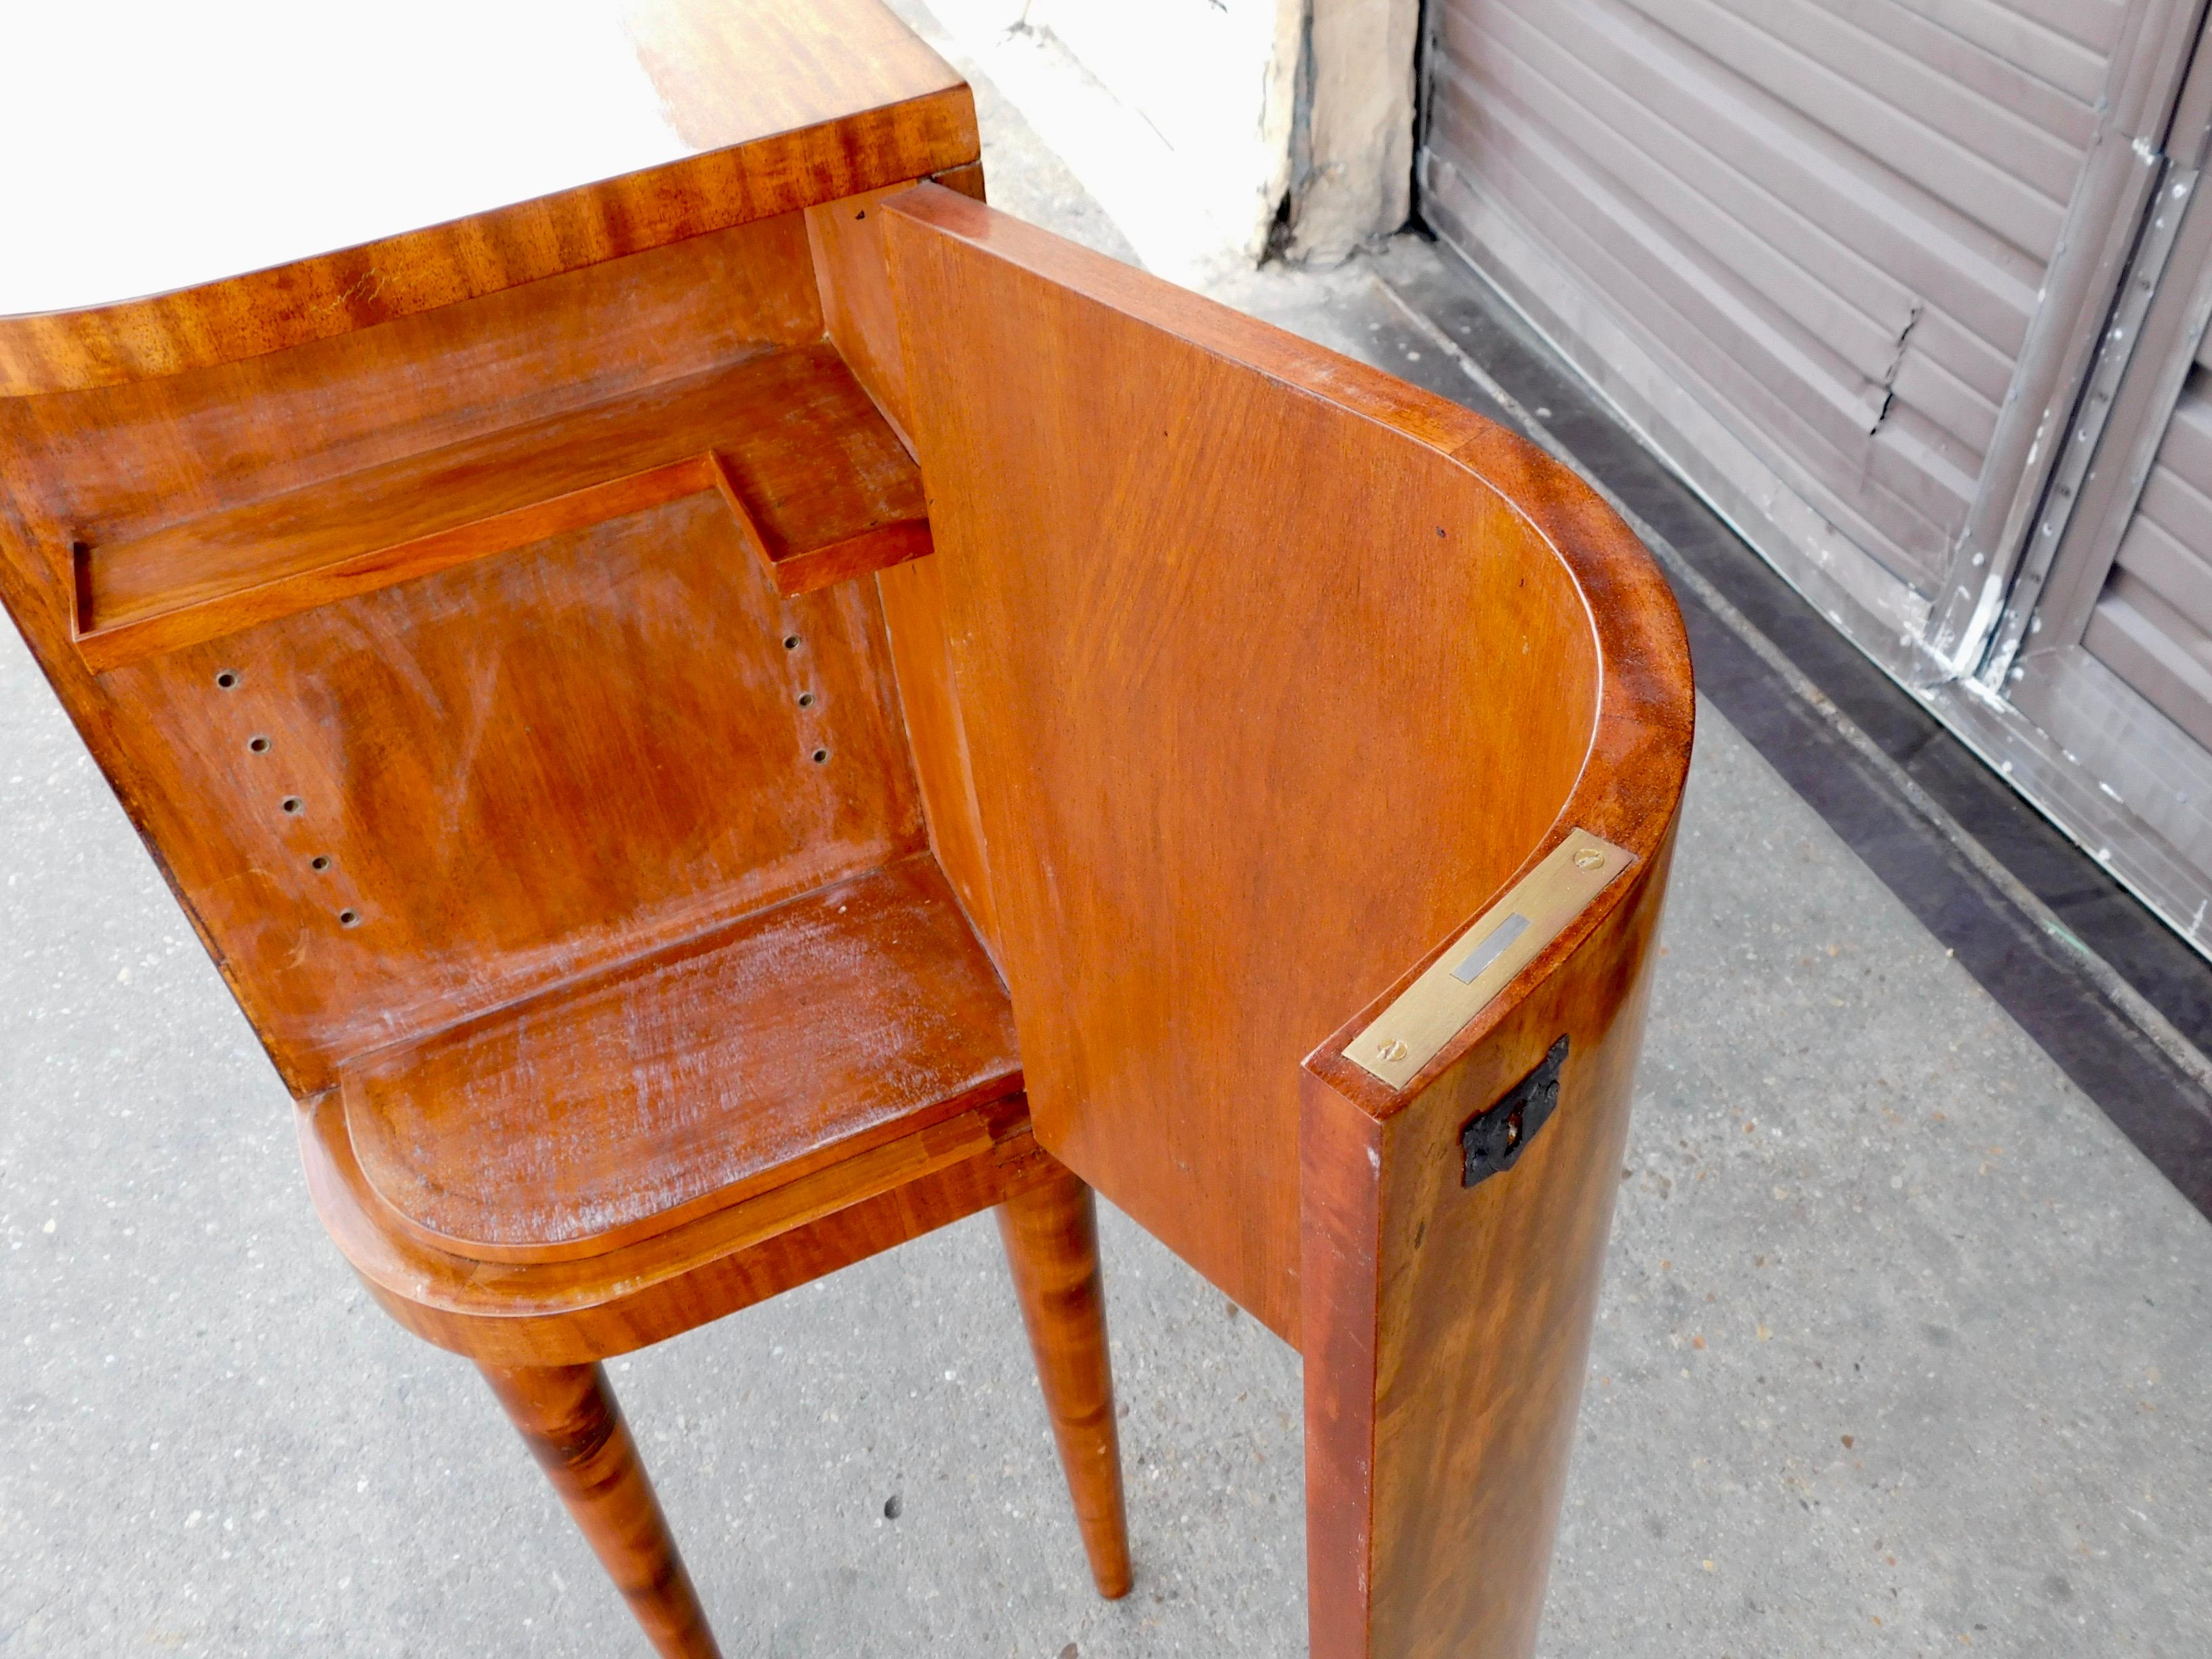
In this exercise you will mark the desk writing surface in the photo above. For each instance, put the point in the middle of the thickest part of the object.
(152, 148)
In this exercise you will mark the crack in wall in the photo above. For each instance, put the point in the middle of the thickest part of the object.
(1283, 232)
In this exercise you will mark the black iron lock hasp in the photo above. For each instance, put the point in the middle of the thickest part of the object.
(1494, 1141)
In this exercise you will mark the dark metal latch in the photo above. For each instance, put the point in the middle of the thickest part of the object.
(1494, 1141)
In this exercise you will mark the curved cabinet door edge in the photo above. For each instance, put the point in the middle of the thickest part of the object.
(1250, 709)
(1448, 1326)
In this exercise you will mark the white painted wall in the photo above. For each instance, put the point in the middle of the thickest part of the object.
(1352, 152)
(1182, 117)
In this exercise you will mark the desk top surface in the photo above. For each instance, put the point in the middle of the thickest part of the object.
(152, 148)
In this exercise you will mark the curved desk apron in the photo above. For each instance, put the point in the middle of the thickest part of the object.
(1304, 750)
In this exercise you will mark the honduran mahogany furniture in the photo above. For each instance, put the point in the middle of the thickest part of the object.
(689, 707)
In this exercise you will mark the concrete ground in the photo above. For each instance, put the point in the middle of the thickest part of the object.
(1903, 1348)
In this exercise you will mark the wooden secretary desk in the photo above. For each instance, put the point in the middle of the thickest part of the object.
(720, 704)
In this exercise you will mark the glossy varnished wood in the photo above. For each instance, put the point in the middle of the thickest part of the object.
(701, 114)
(1449, 1326)
(1264, 694)
(515, 770)
(1051, 1235)
(598, 1306)
(679, 1085)
(495, 630)
(1275, 674)
(915, 617)
(818, 489)
(847, 241)
(1449, 1329)
(479, 623)
(532, 741)
(858, 311)
(569, 1418)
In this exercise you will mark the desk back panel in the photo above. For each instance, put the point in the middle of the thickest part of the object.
(1265, 692)
(513, 769)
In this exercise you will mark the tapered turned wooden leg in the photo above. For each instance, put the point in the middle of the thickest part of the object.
(569, 1416)
(1051, 1235)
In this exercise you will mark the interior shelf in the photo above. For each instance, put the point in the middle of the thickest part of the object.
(570, 1123)
(818, 485)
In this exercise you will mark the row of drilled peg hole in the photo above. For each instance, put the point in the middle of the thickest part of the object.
(291, 806)
(820, 756)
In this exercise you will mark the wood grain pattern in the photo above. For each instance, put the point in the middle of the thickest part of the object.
(464, 619)
(516, 787)
(1176, 633)
(568, 1417)
(820, 487)
(518, 770)
(711, 137)
(1449, 1329)
(597, 1307)
(1051, 1234)
(848, 243)
(847, 240)
(1276, 674)
(577, 1121)
(912, 597)
(187, 446)
(112, 465)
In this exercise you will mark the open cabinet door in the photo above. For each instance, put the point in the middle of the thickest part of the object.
(1324, 743)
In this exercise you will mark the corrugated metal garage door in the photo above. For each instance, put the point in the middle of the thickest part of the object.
(1829, 222)
(1871, 274)
(2152, 624)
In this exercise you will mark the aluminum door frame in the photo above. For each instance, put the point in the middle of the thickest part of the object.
(2035, 662)
(2121, 179)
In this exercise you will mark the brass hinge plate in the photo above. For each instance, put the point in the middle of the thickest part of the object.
(1505, 939)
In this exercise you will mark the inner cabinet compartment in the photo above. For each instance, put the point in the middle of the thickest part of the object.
(468, 656)
(818, 488)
